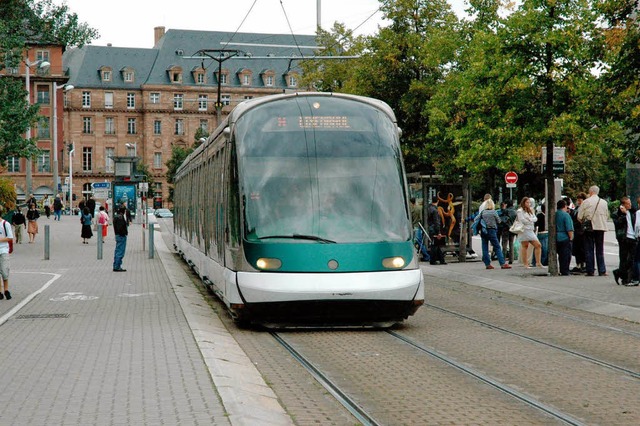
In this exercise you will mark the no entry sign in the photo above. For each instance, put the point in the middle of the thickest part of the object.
(511, 177)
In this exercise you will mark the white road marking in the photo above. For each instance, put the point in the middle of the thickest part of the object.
(28, 299)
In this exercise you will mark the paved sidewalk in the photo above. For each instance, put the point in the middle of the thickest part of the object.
(595, 294)
(81, 344)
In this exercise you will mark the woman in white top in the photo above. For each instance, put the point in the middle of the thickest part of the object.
(527, 217)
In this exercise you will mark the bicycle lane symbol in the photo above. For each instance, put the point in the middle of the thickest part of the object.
(72, 296)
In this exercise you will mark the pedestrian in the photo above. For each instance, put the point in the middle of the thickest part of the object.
(594, 214)
(32, 222)
(91, 204)
(624, 221)
(32, 200)
(577, 248)
(46, 203)
(528, 219)
(120, 225)
(57, 207)
(483, 206)
(489, 234)
(103, 219)
(564, 236)
(85, 220)
(18, 221)
(434, 228)
(507, 217)
(6, 237)
(542, 234)
(419, 237)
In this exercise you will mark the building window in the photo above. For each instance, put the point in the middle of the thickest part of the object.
(200, 78)
(179, 126)
(204, 125)
(131, 100)
(87, 190)
(178, 101)
(293, 81)
(86, 99)
(87, 125)
(154, 98)
(203, 100)
(109, 153)
(157, 160)
(108, 99)
(13, 164)
(65, 99)
(106, 75)
(223, 78)
(44, 162)
(225, 100)
(131, 126)
(42, 94)
(247, 97)
(157, 127)
(43, 128)
(131, 150)
(176, 77)
(42, 55)
(268, 81)
(87, 158)
(246, 80)
(109, 126)
(128, 76)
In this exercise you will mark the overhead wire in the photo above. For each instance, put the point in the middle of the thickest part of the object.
(240, 26)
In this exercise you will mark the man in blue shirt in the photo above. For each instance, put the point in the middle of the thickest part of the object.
(564, 236)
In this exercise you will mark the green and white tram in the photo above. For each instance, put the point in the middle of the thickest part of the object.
(295, 212)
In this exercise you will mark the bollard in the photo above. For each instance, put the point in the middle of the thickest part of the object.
(151, 228)
(46, 242)
(100, 241)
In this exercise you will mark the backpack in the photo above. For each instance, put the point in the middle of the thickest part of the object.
(4, 224)
(478, 225)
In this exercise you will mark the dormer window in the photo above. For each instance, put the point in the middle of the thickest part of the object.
(245, 76)
(291, 78)
(128, 74)
(268, 78)
(105, 74)
(199, 75)
(223, 78)
(175, 74)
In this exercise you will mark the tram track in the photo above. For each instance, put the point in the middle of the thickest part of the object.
(367, 419)
(572, 352)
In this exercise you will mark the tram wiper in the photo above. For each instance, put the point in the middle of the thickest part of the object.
(300, 237)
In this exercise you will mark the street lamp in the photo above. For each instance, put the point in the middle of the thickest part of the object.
(42, 64)
(56, 179)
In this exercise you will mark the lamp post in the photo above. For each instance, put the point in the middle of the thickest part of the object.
(43, 65)
(71, 149)
(56, 178)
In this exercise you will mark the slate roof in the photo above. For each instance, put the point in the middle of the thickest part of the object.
(150, 65)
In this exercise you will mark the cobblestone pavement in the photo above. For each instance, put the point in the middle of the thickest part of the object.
(83, 345)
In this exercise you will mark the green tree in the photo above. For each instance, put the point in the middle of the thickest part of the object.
(7, 195)
(25, 23)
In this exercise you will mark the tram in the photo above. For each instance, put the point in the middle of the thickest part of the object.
(295, 212)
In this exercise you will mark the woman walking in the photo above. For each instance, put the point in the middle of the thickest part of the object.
(103, 219)
(527, 217)
(46, 203)
(85, 220)
(32, 222)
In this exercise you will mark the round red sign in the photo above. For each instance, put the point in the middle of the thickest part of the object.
(511, 177)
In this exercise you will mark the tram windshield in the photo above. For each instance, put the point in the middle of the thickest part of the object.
(321, 169)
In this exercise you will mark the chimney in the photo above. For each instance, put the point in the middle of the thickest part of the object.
(158, 33)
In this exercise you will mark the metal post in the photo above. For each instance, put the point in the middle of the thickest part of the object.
(100, 241)
(46, 242)
(28, 177)
(151, 246)
(71, 180)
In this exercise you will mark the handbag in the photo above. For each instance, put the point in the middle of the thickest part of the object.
(517, 227)
(587, 226)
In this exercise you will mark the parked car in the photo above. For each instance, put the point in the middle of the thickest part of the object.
(163, 213)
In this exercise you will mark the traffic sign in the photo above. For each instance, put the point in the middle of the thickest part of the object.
(511, 177)
(101, 185)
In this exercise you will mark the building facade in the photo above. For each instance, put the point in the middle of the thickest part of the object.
(141, 102)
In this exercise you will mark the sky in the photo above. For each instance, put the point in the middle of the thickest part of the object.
(130, 23)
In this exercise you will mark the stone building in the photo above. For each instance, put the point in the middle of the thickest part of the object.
(141, 102)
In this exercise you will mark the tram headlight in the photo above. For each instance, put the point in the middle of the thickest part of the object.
(393, 262)
(268, 264)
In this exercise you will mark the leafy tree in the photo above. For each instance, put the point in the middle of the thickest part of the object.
(7, 194)
(24, 23)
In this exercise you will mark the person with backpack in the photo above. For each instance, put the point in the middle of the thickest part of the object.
(489, 234)
(507, 216)
(18, 221)
(57, 207)
(6, 244)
